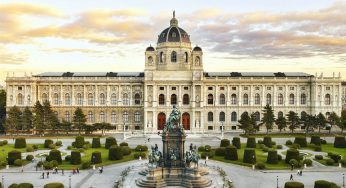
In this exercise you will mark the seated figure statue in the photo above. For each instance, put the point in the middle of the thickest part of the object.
(173, 119)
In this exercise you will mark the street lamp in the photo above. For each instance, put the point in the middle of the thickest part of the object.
(343, 180)
(221, 129)
(277, 181)
(253, 160)
(69, 178)
(124, 132)
(3, 181)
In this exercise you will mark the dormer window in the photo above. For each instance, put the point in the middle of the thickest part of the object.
(174, 57)
(174, 34)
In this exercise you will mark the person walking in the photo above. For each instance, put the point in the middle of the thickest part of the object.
(48, 175)
(42, 175)
(291, 177)
(62, 171)
(301, 173)
(77, 170)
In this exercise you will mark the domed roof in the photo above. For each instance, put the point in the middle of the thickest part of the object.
(174, 33)
(150, 48)
(197, 48)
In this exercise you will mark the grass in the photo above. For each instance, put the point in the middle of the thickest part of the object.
(10, 147)
(290, 135)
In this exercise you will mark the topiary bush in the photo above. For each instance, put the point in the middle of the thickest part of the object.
(139, 154)
(124, 144)
(13, 155)
(318, 157)
(289, 142)
(200, 149)
(58, 143)
(209, 154)
(20, 143)
(292, 154)
(54, 163)
(260, 166)
(272, 157)
(96, 157)
(267, 140)
(336, 157)
(52, 146)
(96, 143)
(236, 142)
(324, 184)
(18, 162)
(330, 162)
(110, 141)
(55, 154)
(140, 148)
(251, 142)
(86, 146)
(294, 162)
(225, 143)
(231, 153)
(308, 162)
(126, 150)
(21, 185)
(29, 149)
(115, 153)
(339, 142)
(323, 141)
(301, 141)
(68, 158)
(207, 148)
(315, 139)
(47, 142)
(69, 147)
(86, 165)
(249, 155)
(4, 142)
(75, 157)
(54, 185)
(220, 151)
(29, 157)
(278, 146)
(294, 184)
(79, 142)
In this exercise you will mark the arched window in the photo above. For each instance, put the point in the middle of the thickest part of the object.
(102, 99)
(44, 97)
(102, 117)
(210, 99)
(210, 116)
(137, 117)
(161, 57)
(222, 99)
(234, 116)
(137, 99)
(257, 98)
(173, 99)
(67, 116)
(245, 99)
(161, 99)
(280, 99)
(222, 117)
(197, 61)
(125, 99)
(327, 99)
(150, 60)
(186, 57)
(79, 99)
(90, 117)
(303, 99)
(174, 57)
(20, 99)
(67, 99)
(186, 99)
(56, 99)
(269, 99)
(113, 117)
(291, 98)
(126, 117)
(90, 99)
(280, 114)
(113, 99)
(233, 99)
(257, 116)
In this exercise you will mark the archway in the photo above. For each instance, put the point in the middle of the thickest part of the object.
(186, 121)
(161, 120)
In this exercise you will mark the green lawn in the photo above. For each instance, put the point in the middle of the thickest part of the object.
(9, 147)
(290, 135)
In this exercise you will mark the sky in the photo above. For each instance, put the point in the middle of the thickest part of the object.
(111, 35)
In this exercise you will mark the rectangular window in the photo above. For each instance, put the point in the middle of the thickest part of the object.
(280, 88)
(246, 88)
(174, 88)
(162, 88)
(222, 88)
(269, 88)
(210, 88)
(291, 88)
(20, 88)
(257, 88)
(328, 88)
(186, 88)
(234, 88)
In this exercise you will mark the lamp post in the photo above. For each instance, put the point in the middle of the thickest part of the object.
(343, 180)
(69, 178)
(124, 132)
(3, 181)
(277, 181)
(253, 160)
(221, 129)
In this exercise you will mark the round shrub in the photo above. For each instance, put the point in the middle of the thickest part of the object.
(225, 143)
(317, 148)
(79, 142)
(330, 162)
(207, 148)
(86, 165)
(265, 149)
(126, 150)
(294, 184)
(295, 146)
(20, 143)
(47, 165)
(308, 162)
(47, 143)
(110, 141)
(220, 151)
(260, 166)
(35, 147)
(68, 158)
(278, 146)
(13, 185)
(289, 142)
(96, 157)
(301, 141)
(318, 157)
(86, 146)
(123, 144)
(52, 146)
(323, 184)
(39, 164)
(205, 154)
(18, 162)
(58, 143)
(200, 149)
(272, 157)
(294, 162)
(292, 154)
(75, 157)
(29, 149)
(54, 163)
(29, 157)
(279, 157)
(315, 139)
(81, 150)
(96, 143)
(273, 143)
(251, 142)
(339, 142)
(139, 154)
(335, 157)
(69, 147)
(55, 154)
(3, 164)
(267, 140)
(21, 185)
(4, 142)
(249, 155)
(323, 141)
(13, 155)
(231, 153)
(115, 153)
(141, 148)
(236, 142)
(54, 185)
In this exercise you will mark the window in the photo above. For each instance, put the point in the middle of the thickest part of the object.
(234, 116)
(186, 88)
(125, 99)
(280, 88)
(222, 88)
(291, 98)
(210, 116)
(20, 88)
(303, 88)
(67, 116)
(210, 99)
(245, 99)
(280, 99)
(222, 117)
(174, 34)
(186, 100)
(257, 116)
(20, 99)
(327, 88)
(186, 57)
(44, 97)
(222, 99)
(137, 99)
(173, 99)
(90, 99)
(161, 57)
(113, 99)
(126, 117)
(233, 99)
(327, 99)
(174, 88)
(113, 117)
(79, 99)
(174, 57)
(246, 88)
(102, 99)
(28, 98)
(150, 60)
(67, 99)
(303, 99)
(269, 88)
(162, 88)
(161, 99)
(257, 98)
(269, 99)
(257, 88)
(56, 99)
(291, 88)
(90, 117)
(137, 117)
(102, 117)
(234, 88)
(280, 114)
(210, 88)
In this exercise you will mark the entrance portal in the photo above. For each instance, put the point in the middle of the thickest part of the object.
(186, 121)
(161, 120)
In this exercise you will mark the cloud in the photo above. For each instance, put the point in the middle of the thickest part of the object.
(7, 57)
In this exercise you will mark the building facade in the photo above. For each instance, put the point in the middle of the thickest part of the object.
(174, 75)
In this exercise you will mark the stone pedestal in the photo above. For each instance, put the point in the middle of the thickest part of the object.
(173, 144)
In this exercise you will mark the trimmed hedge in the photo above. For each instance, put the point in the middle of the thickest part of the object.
(318, 157)
(12, 156)
(236, 142)
(29, 157)
(205, 154)
(260, 166)
(315, 139)
(115, 153)
(86, 165)
(110, 141)
(301, 141)
(20, 143)
(272, 157)
(18, 162)
(75, 157)
(324, 184)
(126, 150)
(55, 155)
(137, 154)
(54, 185)
(140, 148)
(231, 153)
(225, 143)
(79, 142)
(330, 162)
(220, 151)
(200, 149)
(207, 148)
(339, 142)
(308, 162)
(47, 143)
(96, 142)
(249, 155)
(96, 157)
(267, 140)
(251, 142)
(292, 154)
(21, 185)
(294, 184)
(124, 144)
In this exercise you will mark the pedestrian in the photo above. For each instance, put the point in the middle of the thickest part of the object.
(301, 173)
(42, 175)
(298, 172)
(77, 170)
(62, 171)
(291, 167)
(99, 168)
(73, 171)
(148, 139)
(291, 178)
(205, 162)
(47, 174)
(56, 170)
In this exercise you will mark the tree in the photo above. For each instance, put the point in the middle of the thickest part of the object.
(268, 118)
(309, 122)
(253, 121)
(333, 120)
(342, 124)
(245, 123)
(27, 119)
(66, 126)
(2, 109)
(321, 121)
(13, 121)
(89, 129)
(38, 121)
(281, 123)
(103, 127)
(293, 120)
(79, 119)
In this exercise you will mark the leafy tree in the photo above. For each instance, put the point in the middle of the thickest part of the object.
(2, 109)
(27, 119)
(13, 121)
(255, 126)
(309, 121)
(333, 120)
(281, 123)
(268, 118)
(103, 127)
(321, 121)
(38, 120)
(293, 120)
(342, 124)
(245, 123)
(66, 126)
(89, 129)
(79, 119)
